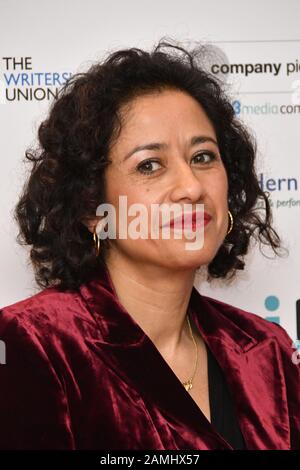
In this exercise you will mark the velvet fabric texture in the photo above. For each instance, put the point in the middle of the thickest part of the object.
(81, 374)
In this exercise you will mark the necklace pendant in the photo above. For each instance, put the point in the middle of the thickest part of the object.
(187, 385)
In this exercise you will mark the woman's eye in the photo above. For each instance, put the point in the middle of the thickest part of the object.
(205, 157)
(148, 166)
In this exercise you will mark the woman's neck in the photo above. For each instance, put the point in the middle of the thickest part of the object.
(156, 298)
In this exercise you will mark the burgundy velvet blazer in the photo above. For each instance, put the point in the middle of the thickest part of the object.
(81, 374)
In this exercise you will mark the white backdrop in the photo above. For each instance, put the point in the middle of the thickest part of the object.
(260, 42)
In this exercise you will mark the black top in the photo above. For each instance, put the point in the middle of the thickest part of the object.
(223, 417)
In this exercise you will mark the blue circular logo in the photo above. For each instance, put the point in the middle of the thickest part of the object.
(272, 303)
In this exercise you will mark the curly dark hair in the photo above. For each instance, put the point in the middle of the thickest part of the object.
(67, 179)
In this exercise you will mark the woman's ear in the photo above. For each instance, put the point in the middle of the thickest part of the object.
(90, 223)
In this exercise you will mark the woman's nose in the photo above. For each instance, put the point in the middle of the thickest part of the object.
(186, 184)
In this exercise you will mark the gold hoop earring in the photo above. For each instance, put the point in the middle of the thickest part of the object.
(96, 241)
(231, 222)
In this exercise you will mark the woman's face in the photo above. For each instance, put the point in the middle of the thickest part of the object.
(174, 172)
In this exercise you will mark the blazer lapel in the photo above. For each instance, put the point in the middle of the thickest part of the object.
(125, 348)
(253, 371)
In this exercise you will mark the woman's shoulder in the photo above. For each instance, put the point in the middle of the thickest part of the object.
(49, 311)
(270, 354)
(252, 323)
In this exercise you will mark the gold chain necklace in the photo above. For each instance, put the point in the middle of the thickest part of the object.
(188, 384)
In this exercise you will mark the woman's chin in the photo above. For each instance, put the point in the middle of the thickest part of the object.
(187, 259)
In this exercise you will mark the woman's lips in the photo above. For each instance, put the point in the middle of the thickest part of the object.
(189, 221)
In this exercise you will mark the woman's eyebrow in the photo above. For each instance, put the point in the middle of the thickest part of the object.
(197, 139)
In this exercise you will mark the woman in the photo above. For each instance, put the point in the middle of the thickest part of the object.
(119, 350)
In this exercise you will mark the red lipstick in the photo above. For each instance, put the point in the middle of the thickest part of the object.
(189, 220)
